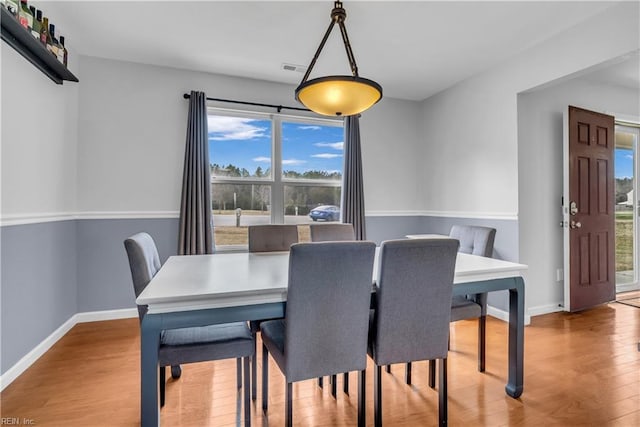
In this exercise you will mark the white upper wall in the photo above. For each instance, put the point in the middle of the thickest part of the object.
(39, 139)
(470, 132)
(132, 128)
(114, 142)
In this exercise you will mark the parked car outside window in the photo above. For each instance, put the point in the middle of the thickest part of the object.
(326, 213)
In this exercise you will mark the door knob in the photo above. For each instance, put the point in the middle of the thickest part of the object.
(575, 224)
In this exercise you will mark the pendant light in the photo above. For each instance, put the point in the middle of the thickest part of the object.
(338, 95)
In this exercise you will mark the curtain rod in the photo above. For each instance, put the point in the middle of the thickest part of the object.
(278, 107)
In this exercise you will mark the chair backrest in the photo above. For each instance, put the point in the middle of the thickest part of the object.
(327, 314)
(272, 237)
(414, 287)
(144, 263)
(474, 240)
(335, 232)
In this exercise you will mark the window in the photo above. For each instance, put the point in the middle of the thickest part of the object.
(272, 169)
(626, 179)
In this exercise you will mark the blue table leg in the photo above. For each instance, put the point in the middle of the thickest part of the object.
(149, 344)
(515, 383)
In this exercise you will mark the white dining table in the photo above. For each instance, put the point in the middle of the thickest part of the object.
(199, 290)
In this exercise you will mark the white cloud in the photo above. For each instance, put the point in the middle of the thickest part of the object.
(326, 155)
(262, 159)
(234, 128)
(334, 145)
(629, 156)
(293, 162)
(309, 127)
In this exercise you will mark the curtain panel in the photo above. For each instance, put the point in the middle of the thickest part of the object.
(352, 182)
(195, 235)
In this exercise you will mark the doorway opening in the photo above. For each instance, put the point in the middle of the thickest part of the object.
(627, 208)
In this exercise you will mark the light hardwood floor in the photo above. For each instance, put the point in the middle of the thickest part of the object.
(580, 369)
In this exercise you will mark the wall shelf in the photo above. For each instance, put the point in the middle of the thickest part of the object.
(29, 47)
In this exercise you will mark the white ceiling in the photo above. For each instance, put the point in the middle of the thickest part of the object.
(413, 49)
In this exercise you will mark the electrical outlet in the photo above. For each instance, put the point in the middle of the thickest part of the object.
(559, 275)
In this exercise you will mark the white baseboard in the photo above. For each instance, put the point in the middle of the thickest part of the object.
(97, 316)
(504, 315)
(544, 309)
(30, 358)
(23, 364)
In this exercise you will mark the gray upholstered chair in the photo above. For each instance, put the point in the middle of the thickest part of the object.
(474, 240)
(412, 314)
(267, 238)
(272, 237)
(325, 328)
(189, 345)
(332, 232)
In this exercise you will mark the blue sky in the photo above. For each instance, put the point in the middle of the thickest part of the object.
(246, 143)
(623, 163)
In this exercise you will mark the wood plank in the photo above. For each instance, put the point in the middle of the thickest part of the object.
(580, 368)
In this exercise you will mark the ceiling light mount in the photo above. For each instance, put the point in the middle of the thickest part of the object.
(338, 95)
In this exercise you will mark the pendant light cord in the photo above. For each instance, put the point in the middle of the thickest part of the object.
(338, 15)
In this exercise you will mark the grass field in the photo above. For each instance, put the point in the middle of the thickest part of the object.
(239, 235)
(624, 240)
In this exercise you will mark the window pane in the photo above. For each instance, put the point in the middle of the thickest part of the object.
(312, 151)
(625, 200)
(306, 204)
(235, 206)
(239, 147)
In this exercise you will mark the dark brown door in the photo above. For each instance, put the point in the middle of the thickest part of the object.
(591, 218)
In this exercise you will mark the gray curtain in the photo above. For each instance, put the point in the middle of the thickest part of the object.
(195, 236)
(352, 184)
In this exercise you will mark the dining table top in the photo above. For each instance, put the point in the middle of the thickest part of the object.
(229, 279)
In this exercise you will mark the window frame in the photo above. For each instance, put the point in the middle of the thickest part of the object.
(277, 181)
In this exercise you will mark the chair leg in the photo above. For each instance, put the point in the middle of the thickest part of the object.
(247, 392)
(265, 378)
(388, 369)
(239, 372)
(334, 385)
(362, 380)
(163, 378)
(482, 330)
(432, 373)
(345, 383)
(289, 406)
(320, 382)
(254, 370)
(442, 393)
(407, 373)
(377, 396)
(176, 371)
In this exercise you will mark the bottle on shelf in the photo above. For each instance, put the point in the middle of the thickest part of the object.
(25, 17)
(53, 48)
(37, 24)
(45, 37)
(65, 54)
(60, 54)
(12, 7)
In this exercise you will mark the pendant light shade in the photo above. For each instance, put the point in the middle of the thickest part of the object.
(338, 95)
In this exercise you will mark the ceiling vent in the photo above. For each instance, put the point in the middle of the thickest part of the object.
(294, 67)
